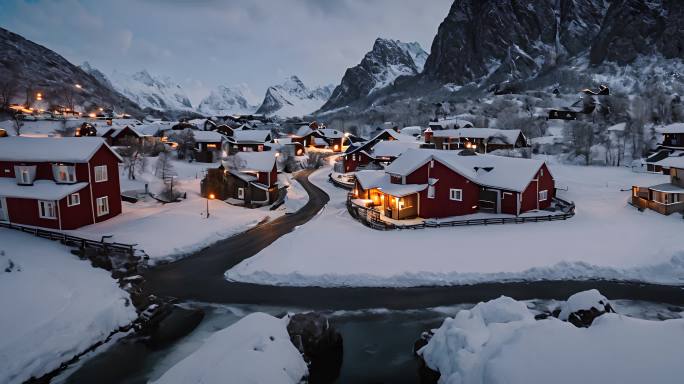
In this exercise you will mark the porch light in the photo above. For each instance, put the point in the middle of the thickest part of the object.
(92, 115)
(212, 196)
(39, 96)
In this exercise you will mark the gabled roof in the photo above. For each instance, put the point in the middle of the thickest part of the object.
(508, 136)
(253, 161)
(672, 162)
(444, 123)
(508, 173)
(41, 189)
(208, 137)
(392, 148)
(51, 149)
(378, 137)
(304, 131)
(255, 136)
(672, 128)
(115, 132)
(382, 181)
(329, 133)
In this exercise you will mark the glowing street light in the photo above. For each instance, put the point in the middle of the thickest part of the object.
(209, 197)
(78, 86)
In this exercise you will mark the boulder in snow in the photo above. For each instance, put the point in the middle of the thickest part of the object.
(320, 344)
(583, 307)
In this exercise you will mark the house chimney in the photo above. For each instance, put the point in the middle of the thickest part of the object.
(428, 135)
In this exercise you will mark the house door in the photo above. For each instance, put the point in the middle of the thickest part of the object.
(4, 215)
(241, 193)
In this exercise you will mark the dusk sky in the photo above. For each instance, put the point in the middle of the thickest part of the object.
(205, 43)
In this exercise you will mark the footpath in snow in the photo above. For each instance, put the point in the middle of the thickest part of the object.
(52, 306)
(606, 239)
(170, 231)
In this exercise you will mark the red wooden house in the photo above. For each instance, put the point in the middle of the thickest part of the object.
(360, 155)
(436, 184)
(59, 183)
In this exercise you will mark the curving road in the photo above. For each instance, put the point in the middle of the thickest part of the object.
(200, 277)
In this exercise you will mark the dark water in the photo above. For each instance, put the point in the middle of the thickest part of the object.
(378, 344)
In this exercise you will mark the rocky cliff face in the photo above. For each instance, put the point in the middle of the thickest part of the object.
(501, 40)
(27, 66)
(388, 60)
(293, 98)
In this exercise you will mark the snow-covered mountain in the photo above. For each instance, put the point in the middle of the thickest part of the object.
(293, 98)
(388, 60)
(229, 100)
(156, 92)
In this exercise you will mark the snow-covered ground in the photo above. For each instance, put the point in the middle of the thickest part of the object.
(168, 231)
(606, 239)
(500, 342)
(53, 306)
(256, 349)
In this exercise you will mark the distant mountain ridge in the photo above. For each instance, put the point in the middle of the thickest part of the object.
(229, 100)
(378, 69)
(293, 98)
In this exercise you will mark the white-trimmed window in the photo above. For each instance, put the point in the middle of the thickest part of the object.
(456, 194)
(74, 199)
(25, 176)
(64, 173)
(541, 172)
(102, 204)
(543, 195)
(241, 193)
(47, 210)
(100, 173)
(431, 192)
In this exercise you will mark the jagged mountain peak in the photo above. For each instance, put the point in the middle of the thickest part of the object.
(226, 100)
(379, 68)
(293, 98)
(161, 93)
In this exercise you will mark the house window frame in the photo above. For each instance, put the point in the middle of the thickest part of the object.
(47, 213)
(455, 194)
(102, 212)
(69, 171)
(71, 202)
(101, 171)
(543, 195)
(22, 173)
(431, 192)
(241, 193)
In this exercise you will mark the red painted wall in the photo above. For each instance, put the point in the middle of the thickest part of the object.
(351, 165)
(78, 215)
(442, 205)
(110, 187)
(530, 196)
(509, 202)
(262, 177)
(25, 211)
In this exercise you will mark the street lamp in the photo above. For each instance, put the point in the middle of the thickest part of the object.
(209, 197)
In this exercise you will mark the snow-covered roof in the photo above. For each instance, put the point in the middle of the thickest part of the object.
(507, 173)
(620, 127)
(667, 188)
(381, 180)
(40, 190)
(51, 149)
(411, 131)
(672, 128)
(303, 131)
(451, 122)
(208, 137)
(255, 161)
(319, 141)
(329, 133)
(117, 131)
(392, 148)
(251, 136)
(671, 162)
(509, 136)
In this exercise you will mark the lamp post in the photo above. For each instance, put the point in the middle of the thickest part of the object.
(209, 197)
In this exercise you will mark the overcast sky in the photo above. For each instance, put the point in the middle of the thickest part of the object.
(205, 43)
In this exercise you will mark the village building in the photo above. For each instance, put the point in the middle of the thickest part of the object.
(248, 140)
(434, 184)
(318, 136)
(120, 137)
(58, 183)
(449, 123)
(665, 198)
(481, 140)
(209, 146)
(361, 155)
(671, 145)
(85, 130)
(246, 178)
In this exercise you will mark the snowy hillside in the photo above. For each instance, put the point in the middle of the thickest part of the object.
(379, 68)
(148, 91)
(229, 100)
(293, 98)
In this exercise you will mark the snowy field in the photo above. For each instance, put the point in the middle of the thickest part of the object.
(500, 342)
(606, 239)
(169, 231)
(53, 306)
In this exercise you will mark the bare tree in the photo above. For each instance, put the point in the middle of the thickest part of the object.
(68, 97)
(186, 143)
(164, 167)
(133, 159)
(8, 89)
(18, 125)
(582, 138)
(29, 97)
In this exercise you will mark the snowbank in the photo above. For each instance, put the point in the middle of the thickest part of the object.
(256, 349)
(52, 306)
(500, 342)
(607, 239)
(169, 231)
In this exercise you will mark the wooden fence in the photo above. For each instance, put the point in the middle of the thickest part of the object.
(80, 242)
(371, 218)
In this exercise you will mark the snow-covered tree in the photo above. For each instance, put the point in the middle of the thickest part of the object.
(186, 143)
